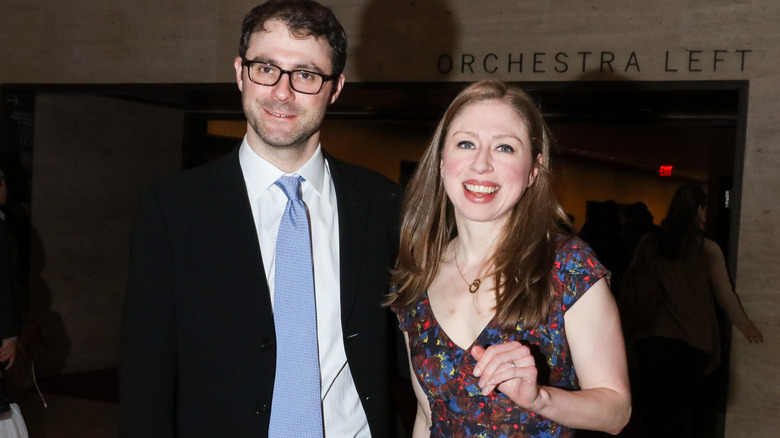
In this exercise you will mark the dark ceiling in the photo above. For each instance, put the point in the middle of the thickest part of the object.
(639, 125)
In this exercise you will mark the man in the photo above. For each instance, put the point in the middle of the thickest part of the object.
(199, 344)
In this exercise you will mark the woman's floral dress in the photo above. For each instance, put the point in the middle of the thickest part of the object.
(446, 371)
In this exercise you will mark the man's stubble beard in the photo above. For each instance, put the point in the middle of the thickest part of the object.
(297, 138)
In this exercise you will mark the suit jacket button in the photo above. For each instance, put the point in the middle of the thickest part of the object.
(266, 344)
(261, 409)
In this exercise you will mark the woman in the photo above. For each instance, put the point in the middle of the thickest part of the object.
(497, 308)
(680, 344)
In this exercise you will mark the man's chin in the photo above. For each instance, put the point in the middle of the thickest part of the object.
(285, 141)
(286, 145)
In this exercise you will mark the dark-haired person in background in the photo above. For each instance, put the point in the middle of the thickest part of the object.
(12, 297)
(681, 344)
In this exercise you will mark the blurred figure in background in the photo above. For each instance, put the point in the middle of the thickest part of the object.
(12, 298)
(12, 309)
(680, 344)
(602, 231)
(638, 221)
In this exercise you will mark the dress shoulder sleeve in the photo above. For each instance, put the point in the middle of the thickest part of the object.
(576, 270)
(404, 317)
(413, 314)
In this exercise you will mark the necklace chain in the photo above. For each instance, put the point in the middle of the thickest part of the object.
(474, 285)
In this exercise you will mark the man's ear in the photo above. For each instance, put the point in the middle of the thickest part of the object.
(339, 85)
(237, 64)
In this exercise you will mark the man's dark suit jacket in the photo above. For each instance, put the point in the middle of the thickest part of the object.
(198, 346)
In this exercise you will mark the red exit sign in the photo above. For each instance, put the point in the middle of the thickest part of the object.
(665, 170)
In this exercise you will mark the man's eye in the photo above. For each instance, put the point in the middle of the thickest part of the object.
(265, 69)
(304, 76)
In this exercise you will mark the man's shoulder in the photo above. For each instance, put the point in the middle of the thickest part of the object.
(203, 178)
(360, 177)
(218, 185)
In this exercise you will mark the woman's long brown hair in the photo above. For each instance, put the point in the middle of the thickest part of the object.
(525, 254)
(681, 234)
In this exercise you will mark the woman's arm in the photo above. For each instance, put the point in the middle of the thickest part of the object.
(422, 421)
(598, 353)
(724, 294)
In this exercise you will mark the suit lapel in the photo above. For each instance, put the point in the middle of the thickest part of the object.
(353, 213)
(235, 215)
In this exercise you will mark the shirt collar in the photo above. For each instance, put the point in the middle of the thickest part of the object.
(260, 174)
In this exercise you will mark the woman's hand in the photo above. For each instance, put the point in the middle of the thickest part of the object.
(603, 401)
(751, 332)
(511, 368)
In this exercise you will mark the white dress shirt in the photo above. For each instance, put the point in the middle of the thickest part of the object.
(343, 414)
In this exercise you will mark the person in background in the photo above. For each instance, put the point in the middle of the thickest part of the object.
(10, 288)
(681, 345)
(11, 299)
(511, 328)
(255, 286)
(601, 231)
(638, 222)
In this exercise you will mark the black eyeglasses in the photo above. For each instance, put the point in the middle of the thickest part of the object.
(302, 81)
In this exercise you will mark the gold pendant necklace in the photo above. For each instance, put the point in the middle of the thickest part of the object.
(474, 285)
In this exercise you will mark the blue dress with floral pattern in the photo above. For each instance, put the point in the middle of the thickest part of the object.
(446, 371)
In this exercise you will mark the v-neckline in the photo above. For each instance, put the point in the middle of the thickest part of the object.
(434, 320)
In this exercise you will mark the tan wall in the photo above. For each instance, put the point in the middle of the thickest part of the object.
(196, 41)
(92, 157)
(657, 40)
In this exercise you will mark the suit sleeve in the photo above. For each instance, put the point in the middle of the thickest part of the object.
(147, 369)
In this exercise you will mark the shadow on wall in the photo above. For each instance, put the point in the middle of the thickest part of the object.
(410, 35)
(42, 342)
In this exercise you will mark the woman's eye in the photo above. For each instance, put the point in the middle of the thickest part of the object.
(466, 145)
(505, 148)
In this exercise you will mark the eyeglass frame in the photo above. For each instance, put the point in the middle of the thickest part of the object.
(325, 78)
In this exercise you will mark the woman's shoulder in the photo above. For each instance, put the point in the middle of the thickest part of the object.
(407, 315)
(568, 245)
(712, 251)
(710, 244)
(576, 269)
(575, 257)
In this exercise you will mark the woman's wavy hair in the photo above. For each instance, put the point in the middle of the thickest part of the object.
(525, 252)
(681, 233)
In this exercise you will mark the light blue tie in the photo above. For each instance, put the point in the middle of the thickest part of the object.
(296, 409)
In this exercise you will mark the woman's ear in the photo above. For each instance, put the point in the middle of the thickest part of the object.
(535, 170)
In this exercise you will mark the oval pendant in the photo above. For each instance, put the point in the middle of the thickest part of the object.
(474, 286)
